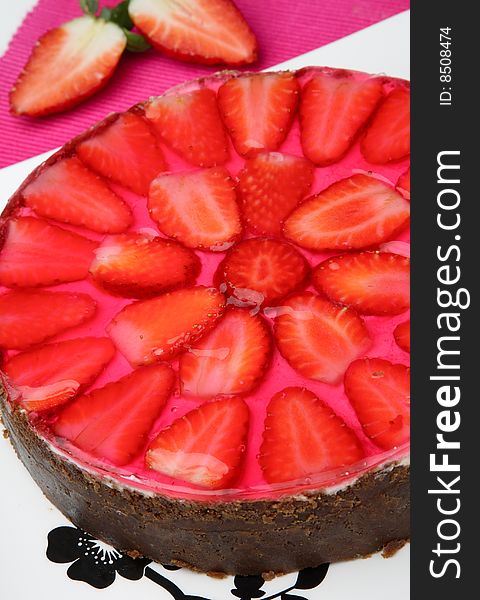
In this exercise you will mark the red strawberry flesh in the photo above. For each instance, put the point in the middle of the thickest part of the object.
(126, 152)
(356, 212)
(70, 193)
(374, 283)
(204, 447)
(113, 422)
(380, 394)
(229, 360)
(51, 375)
(401, 334)
(158, 329)
(303, 438)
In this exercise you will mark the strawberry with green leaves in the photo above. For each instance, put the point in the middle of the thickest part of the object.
(73, 61)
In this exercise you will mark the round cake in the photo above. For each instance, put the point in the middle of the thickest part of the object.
(204, 322)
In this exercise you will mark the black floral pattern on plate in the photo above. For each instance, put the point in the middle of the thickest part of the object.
(97, 564)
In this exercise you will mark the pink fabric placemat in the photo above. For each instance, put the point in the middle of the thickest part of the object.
(285, 28)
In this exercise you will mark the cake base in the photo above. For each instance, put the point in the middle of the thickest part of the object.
(243, 537)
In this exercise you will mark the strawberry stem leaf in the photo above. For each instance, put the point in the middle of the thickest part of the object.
(89, 7)
(136, 42)
(118, 15)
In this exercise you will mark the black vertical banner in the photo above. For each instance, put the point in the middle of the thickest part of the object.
(445, 323)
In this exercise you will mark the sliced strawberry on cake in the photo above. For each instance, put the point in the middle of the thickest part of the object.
(379, 391)
(113, 422)
(269, 187)
(138, 265)
(229, 360)
(204, 447)
(319, 339)
(303, 438)
(401, 333)
(198, 208)
(261, 272)
(355, 212)
(209, 32)
(69, 192)
(126, 152)
(258, 110)
(403, 184)
(388, 135)
(374, 283)
(67, 65)
(31, 317)
(191, 125)
(162, 327)
(36, 253)
(53, 374)
(333, 109)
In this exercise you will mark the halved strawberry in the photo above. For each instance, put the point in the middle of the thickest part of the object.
(30, 317)
(333, 108)
(403, 184)
(401, 334)
(388, 135)
(261, 271)
(204, 447)
(53, 374)
(198, 208)
(303, 437)
(374, 283)
(229, 360)
(126, 152)
(69, 192)
(269, 187)
(37, 253)
(162, 327)
(319, 339)
(355, 212)
(113, 422)
(191, 125)
(379, 391)
(136, 265)
(199, 31)
(258, 110)
(67, 65)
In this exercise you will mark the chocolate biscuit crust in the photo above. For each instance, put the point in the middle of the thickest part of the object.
(242, 537)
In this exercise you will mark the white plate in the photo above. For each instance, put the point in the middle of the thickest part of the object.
(26, 517)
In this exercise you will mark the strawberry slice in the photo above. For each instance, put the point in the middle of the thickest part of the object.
(231, 359)
(69, 192)
(379, 391)
(27, 260)
(304, 437)
(113, 422)
(67, 65)
(199, 208)
(200, 31)
(388, 136)
(204, 447)
(333, 109)
(126, 152)
(261, 272)
(191, 125)
(403, 184)
(374, 283)
(401, 333)
(47, 377)
(269, 187)
(355, 212)
(319, 339)
(137, 266)
(30, 317)
(162, 327)
(258, 110)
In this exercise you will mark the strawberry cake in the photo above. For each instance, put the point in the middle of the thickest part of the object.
(204, 325)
